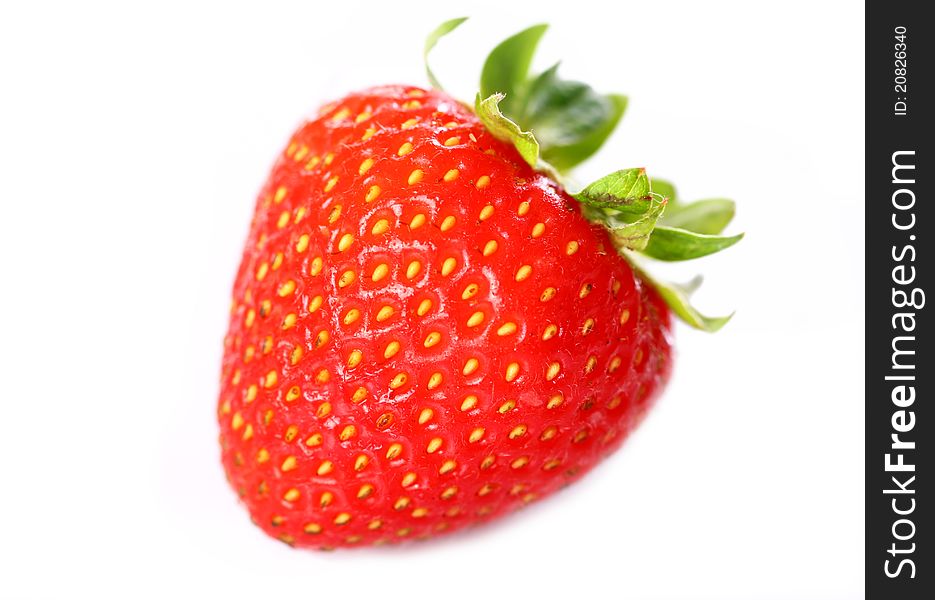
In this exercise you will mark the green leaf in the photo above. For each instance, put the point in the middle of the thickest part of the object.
(677, 298)
(626, 191)
(672, 243)
(634, 235)
(570, 120)
(664, 188)
(704, 216)
(440, 31)
(502, 128)
(507, 67)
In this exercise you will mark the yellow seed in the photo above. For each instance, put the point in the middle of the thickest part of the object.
(331, 183)
(354, 358)
(286, 289)
(262, 455)
(447, 466)
(351, 316)
(302, 245)
(325, 467)
(343, 113)
(385, 313)
(324, 410)
(553, 371)
(325, 499)
(360, 463)
(412, 104)
(380, 272)
(283, 219)
(291, 431)
(296, 355)
(624, 316)
(236, 421)
(289, 464)
(451, 124)
(329, 158)
(271, 379)
(585, 290)
(405, 149)
(312, 163)
(512, 371)
(368, 134)
(415, 177)
(323, 376)
(490, 247)
(523, 272)
(424, 307)
(614, 364)
(347, 433)
(476, 435)
(417, 221)
(508, 328)
(449, 492)
(342, 518)
(452, 141)
(359, 395)
(251, 394)
(250, 318)
(409, 123)
(469, 403)
(277, 260)
(391, 349)
(401, 503)
(315, 266)
(435, 380)
(517, 431)
(413, 269)
(432, 339)
(488, 462)
(316, 439)
(555, 401)
(482, 182)
(299, 214)
(451, 175)
(425, 416)
(375, 524)
(523, 209)
(322, 338)
(345, 242)
(506, 407)
(398, 381)
(470, 291)
(280, 194)
(372, 193)
(588, 326)
(380, 227)
(364, 491)
(347, 278)
(538, 229)
(520, 462)
(549, 332)
(420, 512)
(470, 366)
(434, 445)
(485, 489)
(475, 319)
(365, 166)
(548, 433)
(289, 321)
(447, 223)
(394, 451)
(291, 495)
(408, 479)
(362, 117)
(571, 247)
(294, 393)
(312, 528)
(262, 271)
(448, 266)
(580, 436)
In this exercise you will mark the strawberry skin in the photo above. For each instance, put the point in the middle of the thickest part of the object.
(425, 332)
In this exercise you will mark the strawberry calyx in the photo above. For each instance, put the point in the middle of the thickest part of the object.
(555, 124)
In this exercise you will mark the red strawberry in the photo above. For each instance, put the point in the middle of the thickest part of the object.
(426, 331)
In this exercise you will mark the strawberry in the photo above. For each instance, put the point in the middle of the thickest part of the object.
(427, 329)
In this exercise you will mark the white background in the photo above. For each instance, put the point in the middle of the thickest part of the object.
(132, 142)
